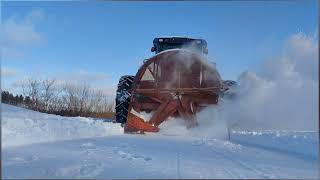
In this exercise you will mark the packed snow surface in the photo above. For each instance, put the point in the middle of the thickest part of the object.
(37, 145)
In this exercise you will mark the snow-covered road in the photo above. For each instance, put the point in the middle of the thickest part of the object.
(116, 155)
(136, 156)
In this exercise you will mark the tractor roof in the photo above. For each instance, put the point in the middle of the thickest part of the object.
(177, 40)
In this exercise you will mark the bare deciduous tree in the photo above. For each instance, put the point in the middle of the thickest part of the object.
(32, 88)
(68, 99)
(47, 92)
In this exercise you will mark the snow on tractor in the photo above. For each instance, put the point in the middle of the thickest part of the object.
(177, 81)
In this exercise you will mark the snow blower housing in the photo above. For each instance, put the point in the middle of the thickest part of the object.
(177, 81)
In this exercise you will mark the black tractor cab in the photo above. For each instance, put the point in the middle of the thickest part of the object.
(164, 43)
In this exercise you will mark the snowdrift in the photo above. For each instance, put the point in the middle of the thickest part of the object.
(21, 126)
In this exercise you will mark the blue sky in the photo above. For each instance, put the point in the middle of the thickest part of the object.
(100, 41)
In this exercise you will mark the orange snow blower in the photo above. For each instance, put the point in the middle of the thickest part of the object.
(177, 81)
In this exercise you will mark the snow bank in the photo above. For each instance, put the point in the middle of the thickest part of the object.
(21, 126)
(303, 143)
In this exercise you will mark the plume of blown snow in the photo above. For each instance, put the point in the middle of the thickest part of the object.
(210, 125)
(281, 94)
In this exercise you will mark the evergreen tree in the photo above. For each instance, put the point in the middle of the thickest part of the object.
(20, 101)
(27, 101)
(11, 97)
(5, 97)
(15, 100)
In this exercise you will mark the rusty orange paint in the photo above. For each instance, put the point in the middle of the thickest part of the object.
(172, 83)
(136, 124)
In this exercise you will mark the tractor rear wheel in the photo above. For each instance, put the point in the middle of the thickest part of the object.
(123, 98)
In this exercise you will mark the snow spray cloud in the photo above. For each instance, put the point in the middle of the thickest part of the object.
(282, 94)
(208, 126)
(184, 59)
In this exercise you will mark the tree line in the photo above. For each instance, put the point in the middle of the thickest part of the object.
(65, 99)
(17, 100)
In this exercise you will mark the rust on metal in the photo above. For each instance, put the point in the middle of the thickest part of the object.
(136, 124)
(172, 83)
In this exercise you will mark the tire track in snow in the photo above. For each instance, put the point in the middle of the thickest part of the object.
(89, 166)
(256, 170)
(227, 155)
(222, 159)
(128, 152)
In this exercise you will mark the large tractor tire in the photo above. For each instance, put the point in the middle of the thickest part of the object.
(123, 98)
